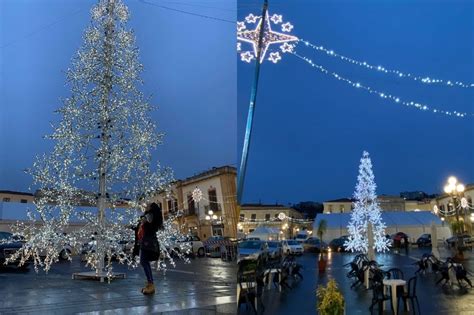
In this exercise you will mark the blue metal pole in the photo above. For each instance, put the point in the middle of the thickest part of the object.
(253, 99)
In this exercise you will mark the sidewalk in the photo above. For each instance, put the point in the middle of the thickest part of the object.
(206, 286)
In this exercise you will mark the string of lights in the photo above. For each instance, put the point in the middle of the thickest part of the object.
(275, 220)
(383, 69)
(186, 12)
(383, 95)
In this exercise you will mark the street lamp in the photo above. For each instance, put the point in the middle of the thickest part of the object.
(455, 190)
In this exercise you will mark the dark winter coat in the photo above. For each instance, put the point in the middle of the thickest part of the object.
(149, 244)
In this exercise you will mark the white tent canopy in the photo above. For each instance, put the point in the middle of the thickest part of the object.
(413, 223)
(265, 233)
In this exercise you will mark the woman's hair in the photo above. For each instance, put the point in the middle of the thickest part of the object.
(157, 215)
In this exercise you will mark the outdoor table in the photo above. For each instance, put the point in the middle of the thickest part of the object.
(393, 284)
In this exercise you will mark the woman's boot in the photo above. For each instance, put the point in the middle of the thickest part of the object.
(149, 289)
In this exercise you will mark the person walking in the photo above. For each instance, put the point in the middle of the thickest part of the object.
(149, 248)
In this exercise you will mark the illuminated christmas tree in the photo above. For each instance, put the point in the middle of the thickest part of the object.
(102, 153)
(366, 209)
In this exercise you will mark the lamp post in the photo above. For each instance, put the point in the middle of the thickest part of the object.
(455, 190)
(211, 216)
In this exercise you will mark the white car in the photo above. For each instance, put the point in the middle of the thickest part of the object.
(292, 247)
(190, 242)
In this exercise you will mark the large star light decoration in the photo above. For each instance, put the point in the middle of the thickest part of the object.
(270, 37)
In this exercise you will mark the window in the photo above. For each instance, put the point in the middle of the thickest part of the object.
(251, 230)
(253, 217)
(242, 217)
(213, 205)
(175, 206)
(342, 208)
(267, 217)
(23, 201)
(191, 207)
(330, 209)
(6, 199)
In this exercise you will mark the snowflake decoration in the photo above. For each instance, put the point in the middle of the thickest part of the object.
(251, 18)
(274, 57)
(287, 48)
(239, 46)
(270, 37)
(246, 56)
(277, 18)
(197, 194)
(464, 203)
(287, 27)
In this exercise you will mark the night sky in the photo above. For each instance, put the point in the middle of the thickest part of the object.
(190, 71)
(310, 130)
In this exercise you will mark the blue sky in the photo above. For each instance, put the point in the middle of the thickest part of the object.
(310, 130)
(190, 71)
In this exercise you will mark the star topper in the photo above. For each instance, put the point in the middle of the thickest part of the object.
(269, 38)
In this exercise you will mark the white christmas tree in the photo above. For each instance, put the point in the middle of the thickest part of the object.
(102, 154)
(366, 209)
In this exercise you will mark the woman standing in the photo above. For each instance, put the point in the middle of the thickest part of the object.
(151, 221)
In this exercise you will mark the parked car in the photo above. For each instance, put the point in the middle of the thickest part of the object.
(193, 243)
(424, 240)
(399, 236)
(302, 236)
(275, 250)
(257, 250)
(466, 241)
(9, 248)
(337, 244)
(292, 247)
(314, 245)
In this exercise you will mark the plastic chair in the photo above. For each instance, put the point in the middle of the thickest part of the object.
(395, 273)
(411, 295)
(378, 298)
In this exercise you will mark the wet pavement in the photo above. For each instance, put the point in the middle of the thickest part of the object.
(301, 299)
(206, 286)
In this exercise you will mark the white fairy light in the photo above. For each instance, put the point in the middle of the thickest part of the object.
(239, 46)
(251, 18)
(286, 47)
(286, 27)
(197, 194)
(241, 26)
(380, 68)
(370, 90)
(101, 134)
(274, 57)
(269, 38)
(277, 18)
(246, 56)
(366, 209)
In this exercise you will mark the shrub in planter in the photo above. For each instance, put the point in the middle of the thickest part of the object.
(330, 299)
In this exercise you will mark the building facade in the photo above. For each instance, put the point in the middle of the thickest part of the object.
(387, 203)
(254, 215)
(215, 214)
(16, 196)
